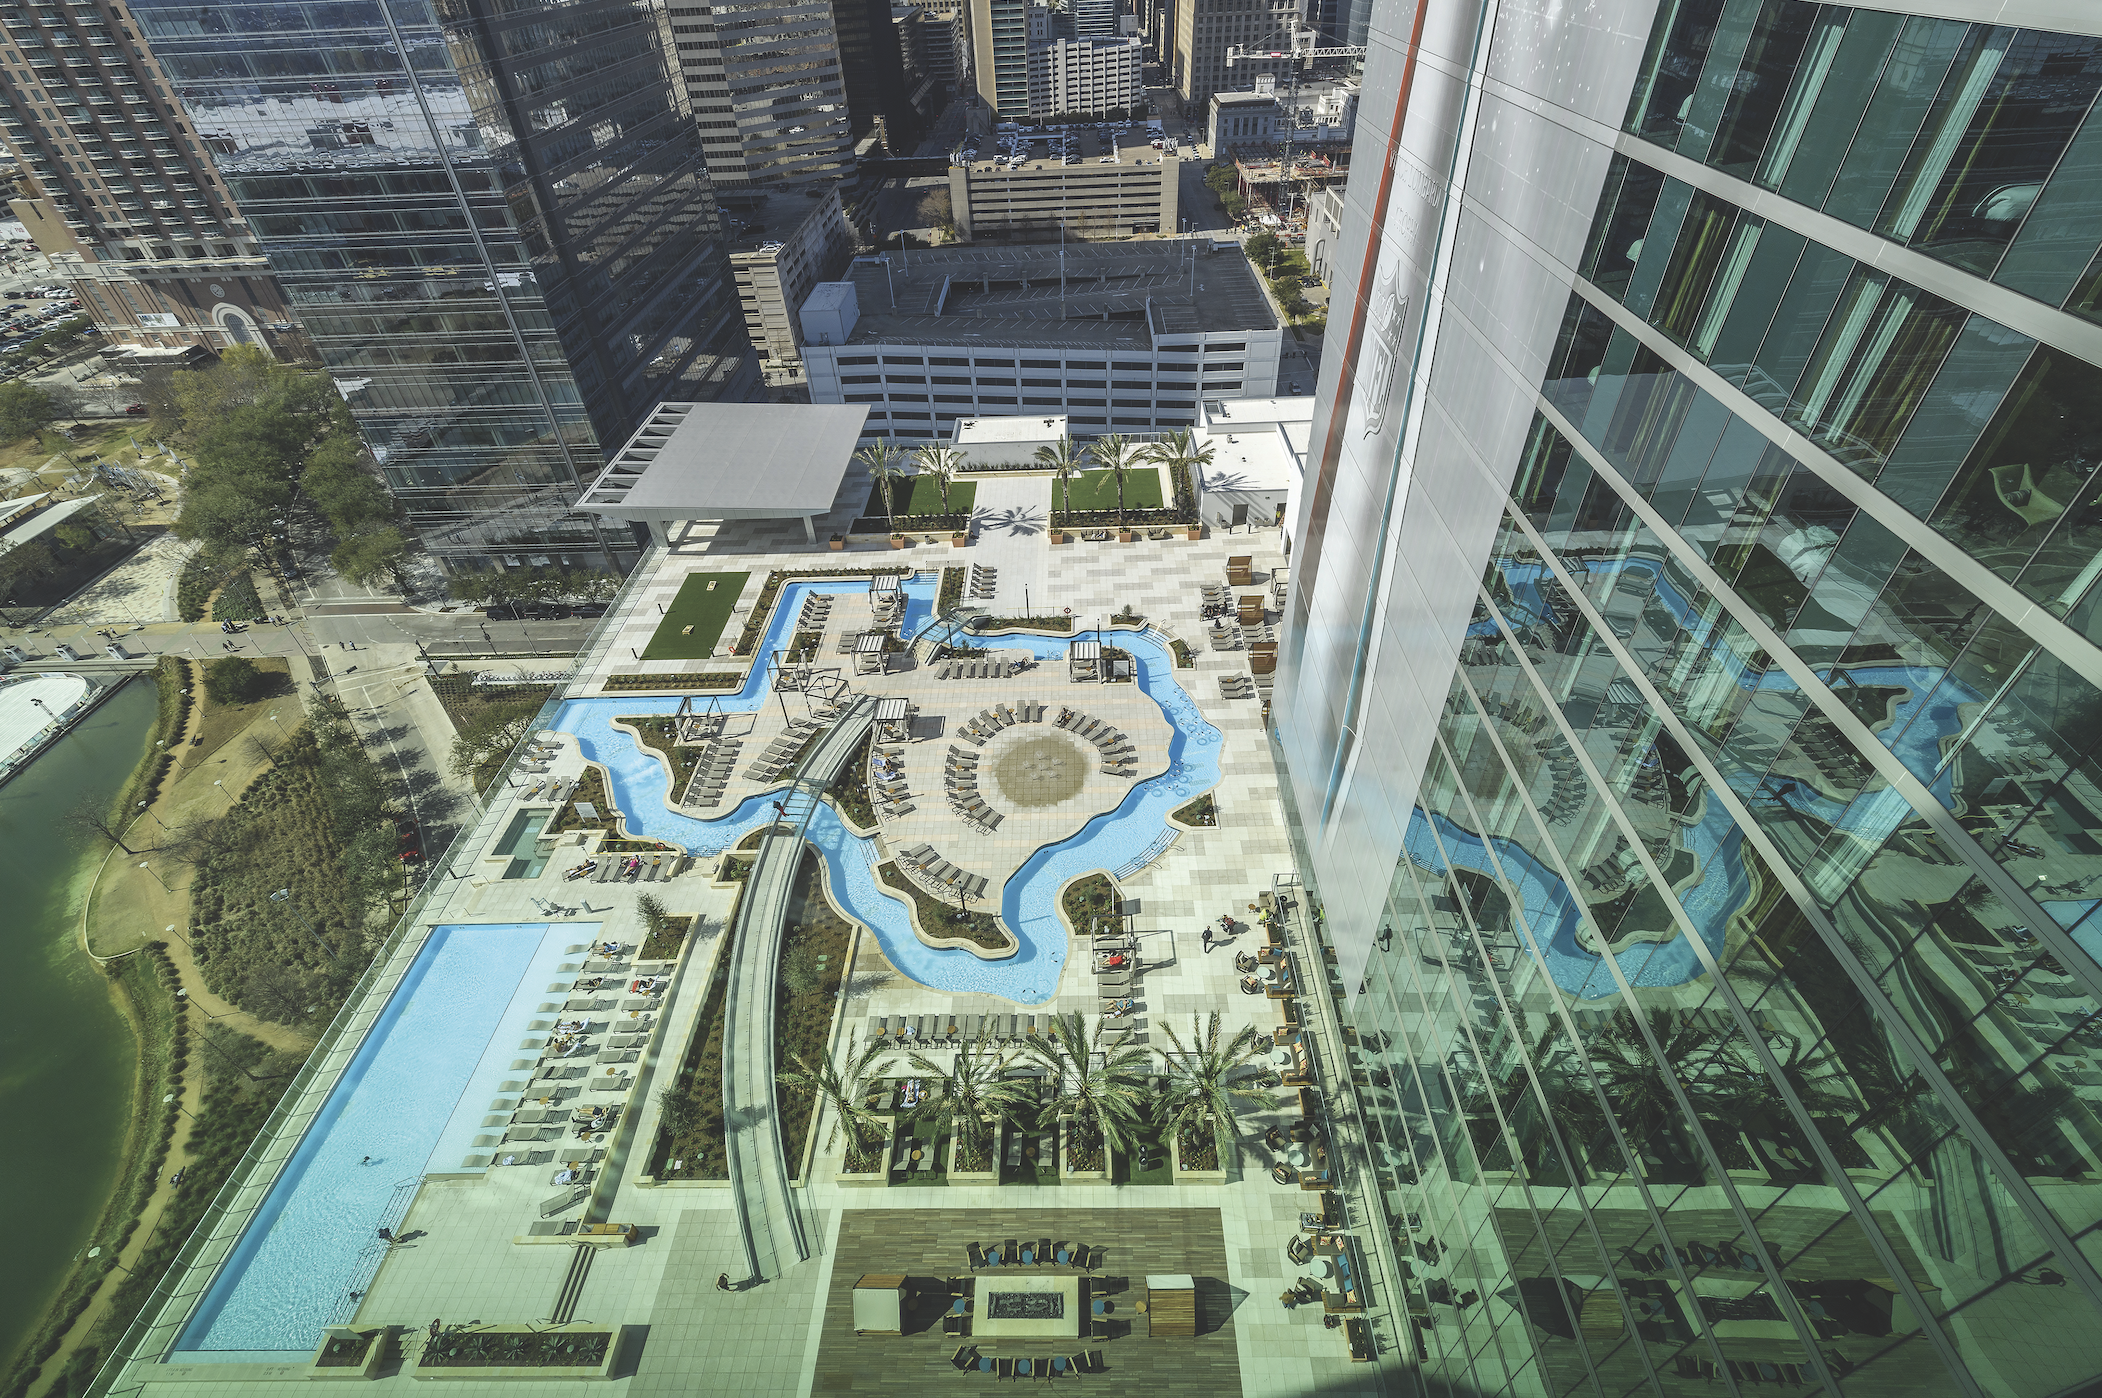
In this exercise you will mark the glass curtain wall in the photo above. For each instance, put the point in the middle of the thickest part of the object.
(1734, 1016)
(495, 225)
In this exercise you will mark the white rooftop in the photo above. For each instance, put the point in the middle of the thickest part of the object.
(1224, 413)
(30, 705)
(730, 461)
(44, 522)
(985, 431)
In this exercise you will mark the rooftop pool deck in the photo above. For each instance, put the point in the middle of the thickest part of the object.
(410, 1103)
(1112, 839)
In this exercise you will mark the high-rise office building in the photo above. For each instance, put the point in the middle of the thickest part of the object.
(874, 72)
(1000, 37)
(768, 91)
(123, 192)
(505, 252)
(1206, 29)
(1690, 699)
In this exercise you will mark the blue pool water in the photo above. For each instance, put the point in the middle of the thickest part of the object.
(411, 1100)
(1030, 907)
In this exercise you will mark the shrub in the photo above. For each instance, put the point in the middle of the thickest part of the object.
(234, 680)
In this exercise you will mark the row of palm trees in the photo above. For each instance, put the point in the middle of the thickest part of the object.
(1099, 1089)
(887, 461)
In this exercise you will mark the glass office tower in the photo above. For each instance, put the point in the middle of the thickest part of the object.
(495, 224)
(1691, 703)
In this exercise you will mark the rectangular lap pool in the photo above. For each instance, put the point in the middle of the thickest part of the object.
(411, 1101)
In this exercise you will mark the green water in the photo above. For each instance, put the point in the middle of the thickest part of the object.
(66, 1054)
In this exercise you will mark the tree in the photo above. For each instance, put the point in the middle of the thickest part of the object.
(373, 556)
(474, 588)
(1222, 179)
(24, 563)
(969, 1095)
(882, 460)
(1064, 461)
(348, 496)
(24, 409)
(1234, 204)
(1204, 1085)
(939, 461)
(934, 208)
(841, 1089)
(279, 992)
(90, 818)
(235, 680)
(490, 735)
(1180, 454)
(74, 535)
(1116, 454)
(1097, 1087)
(1263, 248)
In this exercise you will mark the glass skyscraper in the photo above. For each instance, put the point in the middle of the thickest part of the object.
(494, 222)
(1690, 703)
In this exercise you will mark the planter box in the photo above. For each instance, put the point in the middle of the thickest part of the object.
(837, 545)
(898, 541)
(1058, 536)
(1188, 1176)
(561, 1373)
(878, 1178)
(377, 1341)
(1125, 536)
(957, 541)
(1069, 1175)
(991, 1175)
(1196, 531)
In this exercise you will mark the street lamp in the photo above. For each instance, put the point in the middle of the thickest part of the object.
(169, 1101)
(142, 806)
(284, 895)
(156, 877)
(221, 784)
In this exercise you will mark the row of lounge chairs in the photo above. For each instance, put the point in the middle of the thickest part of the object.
(960, 785)
(817, 610)
(968, 1358)
(1118, 752)
(888, 795)
(922, 859)
(1236, 686)
(781, 751)
(984, 581)
(977, 669)
(999, 716)
(712, 773)
(1042, 1252)
(954, 1029)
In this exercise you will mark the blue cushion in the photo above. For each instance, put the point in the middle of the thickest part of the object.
(985, 1366)
(1022, 1368)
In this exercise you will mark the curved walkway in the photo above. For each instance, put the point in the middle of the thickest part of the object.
(766, 1214)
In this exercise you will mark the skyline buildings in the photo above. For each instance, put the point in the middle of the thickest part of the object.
(504, 251)
(1689, 689)
(121, 183)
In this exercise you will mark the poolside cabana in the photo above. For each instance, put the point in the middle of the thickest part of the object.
(869, 652)
(718, 461)
(886, 599)
(1084, 661)
(893, 721)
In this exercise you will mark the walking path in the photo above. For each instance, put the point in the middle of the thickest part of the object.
(766, 1211)
(1012, 513)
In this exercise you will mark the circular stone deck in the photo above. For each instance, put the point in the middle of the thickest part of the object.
(1041, 771)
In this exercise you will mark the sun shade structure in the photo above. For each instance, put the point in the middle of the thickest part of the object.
(729, 461)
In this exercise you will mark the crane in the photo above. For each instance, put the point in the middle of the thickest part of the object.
(1302, 45)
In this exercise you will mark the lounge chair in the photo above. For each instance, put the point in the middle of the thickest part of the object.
(1090, 1362)
(963, 1358)
(1004, 1368)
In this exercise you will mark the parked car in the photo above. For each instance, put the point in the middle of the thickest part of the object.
(135, 409)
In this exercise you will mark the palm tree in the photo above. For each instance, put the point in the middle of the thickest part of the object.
(1204, 1086)
(1179, 452)
(1064, 462)
(1099, 1089)
(939, 461)
(1117, 454)
(969, 1095)
(882, 460)
(842, 1089)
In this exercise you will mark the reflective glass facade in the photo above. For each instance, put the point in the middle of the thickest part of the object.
(1728, 984)
(495, 224)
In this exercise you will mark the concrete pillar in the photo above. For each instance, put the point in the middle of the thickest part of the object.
(810, 528)
(659, 533)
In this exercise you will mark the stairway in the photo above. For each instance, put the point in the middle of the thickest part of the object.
(572, 1285)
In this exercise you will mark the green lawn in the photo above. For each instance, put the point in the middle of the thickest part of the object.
(694, 621)
(922, 495)
(1097, 490)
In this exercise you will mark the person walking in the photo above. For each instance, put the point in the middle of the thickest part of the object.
(1204, 939)
(722, 1282)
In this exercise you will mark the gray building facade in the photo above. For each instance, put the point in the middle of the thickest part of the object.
(496, 228)
(1690, 697)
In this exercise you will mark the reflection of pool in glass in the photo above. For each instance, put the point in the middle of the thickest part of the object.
(1030, 905)
(413, 1099)
(519, 842)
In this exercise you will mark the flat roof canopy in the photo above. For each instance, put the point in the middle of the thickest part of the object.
(730, 461)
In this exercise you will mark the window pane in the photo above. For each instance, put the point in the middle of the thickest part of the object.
(1798, 323)
(1906, 89)
(1704, 237)
(1657, 245)
(1678, 48)
(2029, 466)
(1771, 60)
(2059, 237)
(1879, 352)
(1744, 318)
(1846, 589)
(1972, 381)
(1618, 232)
(2012, 102)
(1719, 78)
(1807, 145)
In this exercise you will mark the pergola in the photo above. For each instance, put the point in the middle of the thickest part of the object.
(718, 461)
(1084, 661)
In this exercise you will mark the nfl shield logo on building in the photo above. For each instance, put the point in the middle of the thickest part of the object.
(1391, 310)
